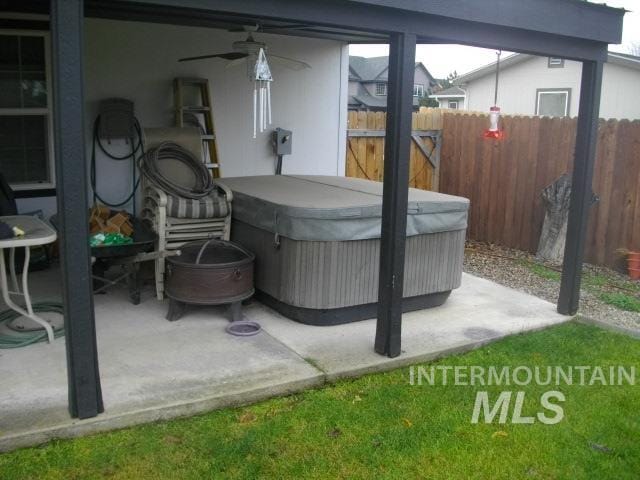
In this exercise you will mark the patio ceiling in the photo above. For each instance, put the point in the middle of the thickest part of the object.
(523, 26)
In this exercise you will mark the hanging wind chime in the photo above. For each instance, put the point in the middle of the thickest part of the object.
(494, 112)
(262, 78)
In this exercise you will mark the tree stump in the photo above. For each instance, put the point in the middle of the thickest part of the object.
(556, 199)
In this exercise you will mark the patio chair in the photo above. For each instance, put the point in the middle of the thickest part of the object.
(178, 220)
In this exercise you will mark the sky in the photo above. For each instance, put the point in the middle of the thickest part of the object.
(441, 60)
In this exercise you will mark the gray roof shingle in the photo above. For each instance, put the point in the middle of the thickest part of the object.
(455, 90)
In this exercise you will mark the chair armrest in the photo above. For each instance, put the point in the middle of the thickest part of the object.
(226, 190)
(158, 195)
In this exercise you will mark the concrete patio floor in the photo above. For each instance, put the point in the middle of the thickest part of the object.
(152, 369)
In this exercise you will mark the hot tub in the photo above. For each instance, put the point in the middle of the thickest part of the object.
(317, 244)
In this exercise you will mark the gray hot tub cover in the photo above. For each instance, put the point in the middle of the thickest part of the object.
(324, 208)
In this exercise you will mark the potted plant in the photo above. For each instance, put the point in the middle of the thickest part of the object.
(633, 262)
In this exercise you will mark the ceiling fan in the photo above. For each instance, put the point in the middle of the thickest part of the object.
(249, 49)
(254, 55)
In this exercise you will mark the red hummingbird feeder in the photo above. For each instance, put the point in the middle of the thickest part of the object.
(494, 112)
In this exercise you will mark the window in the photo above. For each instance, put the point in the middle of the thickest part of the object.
(555, 62)
(25, 112)
(553, 102)
(453, 104)
(381, 88)
(418, 90)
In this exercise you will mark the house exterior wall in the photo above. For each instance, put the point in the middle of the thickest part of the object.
(518, 86)
(421, 78)
(519, 83)
(620, 92)
(354, 88)
(370, 88)
(444, 102)
(357, 88)
(138, 61)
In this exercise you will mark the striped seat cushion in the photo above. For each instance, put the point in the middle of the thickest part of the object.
(212, 206)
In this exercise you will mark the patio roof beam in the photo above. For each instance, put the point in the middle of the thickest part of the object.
(371, 18)
(600, 23)
(581, 188)
(85, 395)
(395, 193)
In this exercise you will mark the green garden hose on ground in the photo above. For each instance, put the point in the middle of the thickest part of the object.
(17, 339)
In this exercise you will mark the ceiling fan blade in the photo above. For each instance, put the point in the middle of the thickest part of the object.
(226, 56)
(288, 62)
(256, 27)
(235, 63)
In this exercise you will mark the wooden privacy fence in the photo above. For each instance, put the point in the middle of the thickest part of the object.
(365, 147)
(504, 180)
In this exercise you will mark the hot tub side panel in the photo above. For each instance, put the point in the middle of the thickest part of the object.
(329, 275)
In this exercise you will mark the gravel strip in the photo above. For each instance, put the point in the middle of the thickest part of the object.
(517, 269)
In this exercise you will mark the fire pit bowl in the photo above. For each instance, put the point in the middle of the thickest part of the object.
(209, 272)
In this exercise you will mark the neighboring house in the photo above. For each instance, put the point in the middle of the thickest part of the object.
(532, 85)
(453, 97)
(368, 83)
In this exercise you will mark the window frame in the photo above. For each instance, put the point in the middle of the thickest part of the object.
(420, 87)
(551, 64)
(46, 111)
(457, 103)
(384, 86)
(547, 91)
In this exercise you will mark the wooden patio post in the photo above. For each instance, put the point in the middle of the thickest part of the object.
(402, 52)
(85, 395)
(581, 193)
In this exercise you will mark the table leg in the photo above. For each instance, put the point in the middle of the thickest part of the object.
(12, 269)
(10, 303)
(25, 279)
(134, 282)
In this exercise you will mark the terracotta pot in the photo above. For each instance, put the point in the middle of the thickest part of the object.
(632, 263)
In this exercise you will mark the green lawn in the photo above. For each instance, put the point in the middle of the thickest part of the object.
(379, 426)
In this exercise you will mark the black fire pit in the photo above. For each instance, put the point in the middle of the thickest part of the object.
(210, 272)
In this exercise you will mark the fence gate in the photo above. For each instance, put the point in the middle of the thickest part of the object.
(365, 148)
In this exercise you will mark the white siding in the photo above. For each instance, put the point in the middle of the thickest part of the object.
(445, 103)
(519, 83)
(620, 92)
(138, 61)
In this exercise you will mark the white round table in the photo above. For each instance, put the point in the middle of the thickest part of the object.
(37, 232)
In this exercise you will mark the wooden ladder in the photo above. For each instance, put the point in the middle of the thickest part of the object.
(188, 115)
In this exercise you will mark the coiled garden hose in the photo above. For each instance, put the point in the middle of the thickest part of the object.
(17, 339)
(169, 150)
(135, 158)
